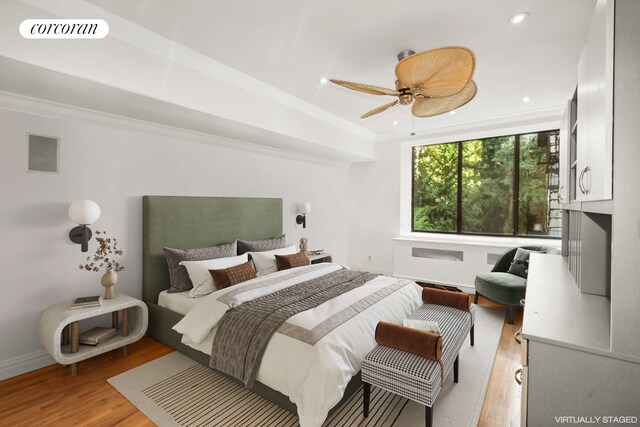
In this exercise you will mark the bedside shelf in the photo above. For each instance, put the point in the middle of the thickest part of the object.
(54, 321)
(323, 257)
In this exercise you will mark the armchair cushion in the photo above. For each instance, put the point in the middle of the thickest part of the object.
(501, 287)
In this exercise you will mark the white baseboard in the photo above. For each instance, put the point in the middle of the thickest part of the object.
(25, 363)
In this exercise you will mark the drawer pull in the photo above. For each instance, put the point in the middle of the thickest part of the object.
(522, 303)
(518, 373)
(583, 188)
(517, 336)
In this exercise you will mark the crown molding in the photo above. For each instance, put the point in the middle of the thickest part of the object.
(55, 110)
(144, 39)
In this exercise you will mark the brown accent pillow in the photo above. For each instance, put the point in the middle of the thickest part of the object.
(458, 300)
(416, 341)
(226, 277)
(286, 262)
(178, 276)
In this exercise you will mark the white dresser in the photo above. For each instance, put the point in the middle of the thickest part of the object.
(569, 369)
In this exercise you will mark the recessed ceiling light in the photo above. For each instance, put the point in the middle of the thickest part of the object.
(452, 112)
(395, 122)
(324, 80)
(526, 99)
(516, 19)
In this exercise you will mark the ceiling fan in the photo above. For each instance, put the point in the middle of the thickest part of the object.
(435, 81)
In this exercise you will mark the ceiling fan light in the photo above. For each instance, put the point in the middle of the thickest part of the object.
(526, 99)
(516, 19)
(324, 80)
(452, 112)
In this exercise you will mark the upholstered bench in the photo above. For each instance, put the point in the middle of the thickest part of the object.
(413, 376)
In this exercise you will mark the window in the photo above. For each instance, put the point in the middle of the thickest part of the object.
(502, 186)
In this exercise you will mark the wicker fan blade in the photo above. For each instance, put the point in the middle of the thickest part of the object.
(429, 107)
(373, 90)
(379, 109)
(438, 72)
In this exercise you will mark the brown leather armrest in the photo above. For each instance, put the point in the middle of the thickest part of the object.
(422, 343)
(458, 300)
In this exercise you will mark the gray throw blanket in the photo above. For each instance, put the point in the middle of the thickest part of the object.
(244, 332)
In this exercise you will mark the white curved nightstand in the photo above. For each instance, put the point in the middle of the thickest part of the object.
(58, 329)
(321, 257)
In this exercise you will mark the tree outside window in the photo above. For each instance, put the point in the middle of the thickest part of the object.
(504, 186)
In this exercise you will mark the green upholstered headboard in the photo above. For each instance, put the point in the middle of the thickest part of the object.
(196, 222)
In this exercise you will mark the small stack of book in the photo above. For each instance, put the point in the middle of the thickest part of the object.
(83, 302)
(96, 335)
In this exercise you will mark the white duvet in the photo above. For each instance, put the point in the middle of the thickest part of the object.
(313, 376)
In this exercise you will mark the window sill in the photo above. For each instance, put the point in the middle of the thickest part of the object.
(484, 241)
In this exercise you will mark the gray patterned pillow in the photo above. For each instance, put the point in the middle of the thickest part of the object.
(178, 276)
(262, 245)
(520, 264)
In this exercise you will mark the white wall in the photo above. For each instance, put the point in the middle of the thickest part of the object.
(115, 166)
(374, 209)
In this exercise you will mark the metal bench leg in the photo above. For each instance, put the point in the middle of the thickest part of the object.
(471, 334)
(455, 369)
(428, 416)
(365, 401)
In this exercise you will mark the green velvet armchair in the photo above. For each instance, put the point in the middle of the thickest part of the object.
(506, 288)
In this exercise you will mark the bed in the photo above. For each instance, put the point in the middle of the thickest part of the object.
(191, 222)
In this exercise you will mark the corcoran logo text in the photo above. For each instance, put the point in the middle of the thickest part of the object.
(64, 29)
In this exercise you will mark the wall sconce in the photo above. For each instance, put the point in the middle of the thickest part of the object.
(83, 212)
(304, 208)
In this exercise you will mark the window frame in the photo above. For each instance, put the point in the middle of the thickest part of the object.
(516, 188)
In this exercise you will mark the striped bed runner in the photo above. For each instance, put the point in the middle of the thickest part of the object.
(199, 396)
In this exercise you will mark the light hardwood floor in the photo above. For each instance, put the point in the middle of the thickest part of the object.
(502, 401)
(49, 396)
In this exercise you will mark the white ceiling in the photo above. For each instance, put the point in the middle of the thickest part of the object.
(250, 71)
(291, 44)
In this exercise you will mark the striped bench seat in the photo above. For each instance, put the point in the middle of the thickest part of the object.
(415, 377)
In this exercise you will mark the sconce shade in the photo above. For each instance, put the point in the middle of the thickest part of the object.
(305, 208)
(84, 212)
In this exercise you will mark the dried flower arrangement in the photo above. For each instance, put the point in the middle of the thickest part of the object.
(105, 254)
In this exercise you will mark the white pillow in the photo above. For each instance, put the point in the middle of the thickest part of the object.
(265, 262)
(201, 278)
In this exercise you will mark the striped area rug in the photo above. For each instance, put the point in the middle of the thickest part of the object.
(175, 390)
(199, 396)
